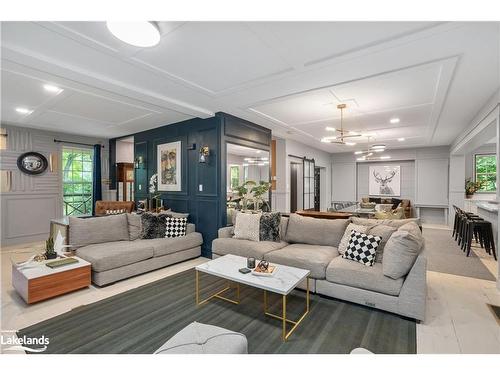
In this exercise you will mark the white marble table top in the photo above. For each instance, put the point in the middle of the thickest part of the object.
(283, 282)
(34, 270)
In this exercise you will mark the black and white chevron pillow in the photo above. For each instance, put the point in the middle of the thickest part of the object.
(362, 248)
(175, 227)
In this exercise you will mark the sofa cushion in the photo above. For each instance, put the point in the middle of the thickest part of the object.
(314, 258)
(95, 230)
(401, 251)
(244, 248)
(391, 223)
(384, 232)
(308, 230)
(164, 246)
(345, 272)
(134, 226)
(109, 255)
(247, 226)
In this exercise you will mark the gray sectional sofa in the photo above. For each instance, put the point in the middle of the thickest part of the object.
(113, 246)
(312, 244)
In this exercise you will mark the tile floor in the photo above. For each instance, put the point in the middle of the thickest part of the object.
(458, 319)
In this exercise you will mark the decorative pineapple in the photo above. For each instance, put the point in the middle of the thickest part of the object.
(49, 249)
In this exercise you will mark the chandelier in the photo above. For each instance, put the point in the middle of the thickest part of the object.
(343, 136)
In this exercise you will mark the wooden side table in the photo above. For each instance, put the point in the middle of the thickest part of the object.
(39, 282)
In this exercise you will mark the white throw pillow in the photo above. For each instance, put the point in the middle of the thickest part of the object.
(247, 226)
(347, 236)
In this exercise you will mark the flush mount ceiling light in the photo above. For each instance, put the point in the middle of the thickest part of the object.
(23, 111)
(139, 34)
(401, 139)
(52, 88)
(366, 153)
(394, 120)
(378, 147)
(340, 139)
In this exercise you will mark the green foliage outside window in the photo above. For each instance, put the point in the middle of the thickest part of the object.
(77, 181)
(235, 176)
(486, 172)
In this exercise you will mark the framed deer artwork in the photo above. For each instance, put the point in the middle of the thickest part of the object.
(385, 180)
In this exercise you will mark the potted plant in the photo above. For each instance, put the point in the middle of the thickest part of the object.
(49, 249)
(251, 194)
(471, 187)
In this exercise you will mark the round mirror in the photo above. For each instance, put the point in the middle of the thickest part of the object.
(32, 163)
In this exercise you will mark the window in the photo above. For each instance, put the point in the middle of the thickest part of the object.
(77, 181)
(235, 176)
(485, 170)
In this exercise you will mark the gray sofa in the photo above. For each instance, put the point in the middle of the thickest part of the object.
(312, 244)
(113, 246)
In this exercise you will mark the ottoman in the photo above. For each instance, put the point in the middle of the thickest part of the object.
(197, 338)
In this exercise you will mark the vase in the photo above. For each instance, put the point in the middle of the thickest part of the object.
(468, 196)
(52, 255)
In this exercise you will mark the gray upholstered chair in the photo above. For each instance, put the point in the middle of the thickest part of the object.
(197, 338)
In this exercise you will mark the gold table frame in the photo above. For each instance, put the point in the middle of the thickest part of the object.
(283, 317)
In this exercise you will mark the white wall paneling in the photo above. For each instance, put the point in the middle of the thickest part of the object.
(432, 182)
(344, 181)
(33, 200)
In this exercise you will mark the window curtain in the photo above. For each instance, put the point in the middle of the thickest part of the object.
(96, 178)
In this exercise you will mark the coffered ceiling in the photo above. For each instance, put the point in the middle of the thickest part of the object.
(288, 76)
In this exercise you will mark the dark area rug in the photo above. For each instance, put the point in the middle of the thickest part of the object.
(444, 255)
(142, 319)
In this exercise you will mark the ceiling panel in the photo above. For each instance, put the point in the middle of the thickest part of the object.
(215, 56)
(315, 41)
(98, 108)
(19, 90)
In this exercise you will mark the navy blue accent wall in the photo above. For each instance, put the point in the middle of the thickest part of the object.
(207, 208)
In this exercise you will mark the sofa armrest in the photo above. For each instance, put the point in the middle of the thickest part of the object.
(413, 294)
(191, 228)
(226, 232)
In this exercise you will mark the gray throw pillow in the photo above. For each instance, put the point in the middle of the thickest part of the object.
(247, 226)
(401, 251)
(153, 225)
(312, 231)
(270, 227)
(134, 226)
(384, 232)
(92, 230)
(347, 236)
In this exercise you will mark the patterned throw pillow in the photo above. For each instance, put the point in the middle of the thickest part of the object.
(347, 236)
(153, 225)
(270, 227)
(175, 227)
(247, 226)
(362, 248)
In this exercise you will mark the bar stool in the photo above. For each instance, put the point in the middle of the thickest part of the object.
(484, 231)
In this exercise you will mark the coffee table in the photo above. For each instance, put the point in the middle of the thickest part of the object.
(37, 282)
(283, 282)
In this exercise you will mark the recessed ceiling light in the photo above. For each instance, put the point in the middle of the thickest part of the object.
(394, 120)
(52, 88)
(258, 151)
(401, 139)
(350, 143)
(326, 140)
(385, 157)
(330, 129)
(358, 152)
(24, 111)
(379, 150)
(139, 34)
(378, 147)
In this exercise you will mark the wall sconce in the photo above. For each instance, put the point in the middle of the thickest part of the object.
(204, 154)
(139, 162)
